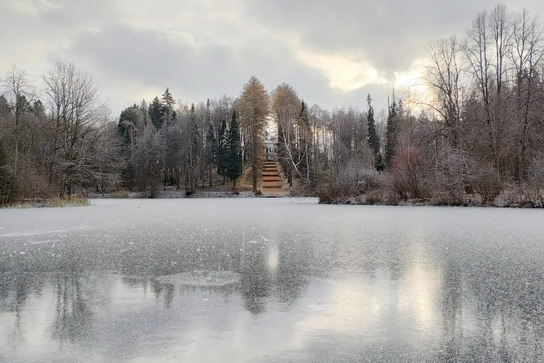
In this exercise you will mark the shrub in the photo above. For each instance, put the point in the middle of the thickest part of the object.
(452, 175)
(486, 182)
(406, 175)
(536, 178)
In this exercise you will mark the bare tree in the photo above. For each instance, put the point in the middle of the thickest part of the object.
(526, 55)
(75, 110)
(286, 107)
(16, 85)
(444, 78)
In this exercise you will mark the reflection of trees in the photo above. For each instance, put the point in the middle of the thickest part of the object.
(451, 312)
(159, 289)
(73, 315)
(167, 290)
(503, 303)
(258, 277)
(255, 279)
(291, 276)
(14, 291)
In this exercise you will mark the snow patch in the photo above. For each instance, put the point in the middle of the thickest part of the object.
(202, 278)
(45, 241)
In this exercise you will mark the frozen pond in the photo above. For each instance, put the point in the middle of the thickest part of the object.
(270, 280)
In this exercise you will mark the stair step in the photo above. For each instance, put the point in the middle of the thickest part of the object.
(273, 184)
(272, 181)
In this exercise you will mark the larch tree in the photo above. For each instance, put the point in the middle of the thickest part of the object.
(253, 109)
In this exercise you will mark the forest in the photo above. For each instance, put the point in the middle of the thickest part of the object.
(476, 138)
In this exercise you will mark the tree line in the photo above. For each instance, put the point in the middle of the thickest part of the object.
(477, 134)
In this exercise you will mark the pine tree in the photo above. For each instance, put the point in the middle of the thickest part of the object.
(234, 158)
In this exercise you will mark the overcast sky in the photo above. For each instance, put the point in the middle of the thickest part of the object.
(331, 52)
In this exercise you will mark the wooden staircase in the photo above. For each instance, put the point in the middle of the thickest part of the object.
(272, 181)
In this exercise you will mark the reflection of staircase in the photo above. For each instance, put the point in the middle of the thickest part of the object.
(272, 184)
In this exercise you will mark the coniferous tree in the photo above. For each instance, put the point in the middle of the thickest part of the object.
(127, 130)
(234, 158)
(194, 149)
(391, 134)
(155, 112)
(304, 145)
(373, 139)
(222, 150)
(167, 113)
(253, 106)
(211, 148)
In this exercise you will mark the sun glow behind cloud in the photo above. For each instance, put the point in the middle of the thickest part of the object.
(344, 72)
(412, 86)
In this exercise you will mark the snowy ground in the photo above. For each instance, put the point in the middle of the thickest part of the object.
(270, 280)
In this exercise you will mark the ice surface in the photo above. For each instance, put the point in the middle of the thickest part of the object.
(137, 280)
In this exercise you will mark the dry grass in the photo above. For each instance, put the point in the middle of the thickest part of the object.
(77, 201)
(120, 194)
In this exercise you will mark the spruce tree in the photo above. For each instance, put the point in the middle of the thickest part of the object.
(222, 150)
(211, 148)
(373, 139)
(391, 134)
(305, 144)
(167, 113)
(155, 112)
(194, 149)
(234, 158)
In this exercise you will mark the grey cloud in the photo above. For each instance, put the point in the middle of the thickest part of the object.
(130, 51)
(195, 71)
(389, 34)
